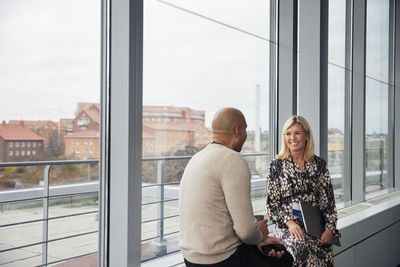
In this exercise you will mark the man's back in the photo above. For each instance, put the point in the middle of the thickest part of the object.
(215, 208)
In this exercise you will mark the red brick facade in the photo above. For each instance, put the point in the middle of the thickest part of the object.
(18, 143)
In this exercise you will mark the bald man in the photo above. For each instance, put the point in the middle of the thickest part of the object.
(218, 227)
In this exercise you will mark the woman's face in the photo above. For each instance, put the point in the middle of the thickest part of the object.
(296, 138)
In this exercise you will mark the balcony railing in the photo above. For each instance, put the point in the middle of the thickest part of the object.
(160, 193)
(160, 196)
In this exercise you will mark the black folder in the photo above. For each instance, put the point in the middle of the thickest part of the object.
(314, 222)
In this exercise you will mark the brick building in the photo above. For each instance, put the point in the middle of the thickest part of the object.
(168, 129)
(46, 129)
(87, 117)
(82, 145)
(19, 143)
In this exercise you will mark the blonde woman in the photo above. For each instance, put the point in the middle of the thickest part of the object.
(297, 174)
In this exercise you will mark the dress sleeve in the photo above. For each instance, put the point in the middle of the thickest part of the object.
(278, 211)
(327, 199)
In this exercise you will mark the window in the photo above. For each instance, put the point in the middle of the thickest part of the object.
(33, 152)
(33, 144)
(28, 152)
(28, 144)
(91, 142)
(77, 150)
(17, 153)
(72, 150)
(22, 152)
(16, 144)
(86, 142)
(91, 150)
(22, 144)
(377, 96)
(178, 93)
(10, 144)
(10, 153)
(336, 96)
(72, 141)
(77, 141)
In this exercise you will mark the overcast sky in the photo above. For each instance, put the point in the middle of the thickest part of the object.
(50, 57)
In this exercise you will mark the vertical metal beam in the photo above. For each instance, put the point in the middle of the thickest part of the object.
(287, 62)
(273, 114)
(313, 70)
(358, 101)
(396, 161)
(391, 100)
(104, 180)
(125, 151)
(347, 166)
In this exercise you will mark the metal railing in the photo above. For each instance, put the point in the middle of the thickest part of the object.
(45, 193)
(165, 193)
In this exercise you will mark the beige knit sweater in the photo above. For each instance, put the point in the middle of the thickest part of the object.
(216, 214)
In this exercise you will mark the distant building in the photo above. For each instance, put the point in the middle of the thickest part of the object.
(65, 126)
(87, 117)
(169, 129)
(45, 129)
(18, 143)
(82, 145)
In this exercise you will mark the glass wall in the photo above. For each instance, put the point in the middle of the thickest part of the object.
(49, 112)
(336, 95)
(199, 56)
(377, 93)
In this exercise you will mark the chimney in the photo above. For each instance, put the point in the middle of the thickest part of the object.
(4, 123)
(22, 123)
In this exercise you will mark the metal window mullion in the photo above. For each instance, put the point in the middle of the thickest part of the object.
(396, 71)
(287, 62)
(125, 136)
(347, 166)
(358, 101)
(313, 60)
(391, 100)
(273, 113)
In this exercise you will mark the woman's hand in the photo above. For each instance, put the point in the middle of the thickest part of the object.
(295, 230)
(326, 237)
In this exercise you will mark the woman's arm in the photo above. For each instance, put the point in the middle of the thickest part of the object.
(278, 211)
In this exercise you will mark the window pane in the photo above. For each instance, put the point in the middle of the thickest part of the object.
(336, 92)
(377, 63)
(199, 56)
(50, 62)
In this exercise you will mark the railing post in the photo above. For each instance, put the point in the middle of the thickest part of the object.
(45, 213)
(160, 243)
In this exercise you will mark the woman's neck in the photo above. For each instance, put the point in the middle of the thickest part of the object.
(297, 156)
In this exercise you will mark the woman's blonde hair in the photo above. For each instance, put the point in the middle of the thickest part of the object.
(309, 150)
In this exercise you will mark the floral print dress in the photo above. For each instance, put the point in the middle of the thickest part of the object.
(286, 184)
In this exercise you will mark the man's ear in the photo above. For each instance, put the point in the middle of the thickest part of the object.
(236, 130)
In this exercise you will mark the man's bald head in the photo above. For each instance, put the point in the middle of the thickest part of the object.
(229, 128)
(225, 119)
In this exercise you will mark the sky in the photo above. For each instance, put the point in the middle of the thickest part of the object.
(50, 58)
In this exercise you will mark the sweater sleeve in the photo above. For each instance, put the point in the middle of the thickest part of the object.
(235, 183)
(327, 199)
(279, 211)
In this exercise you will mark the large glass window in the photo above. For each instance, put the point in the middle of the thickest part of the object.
(377, 88)
(199, 56)
(49, 72)
(336, 95)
